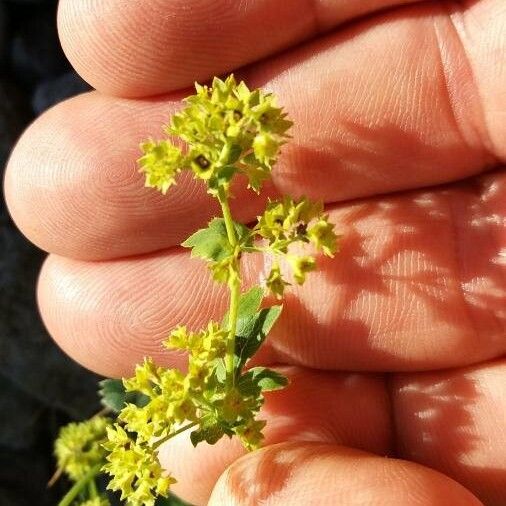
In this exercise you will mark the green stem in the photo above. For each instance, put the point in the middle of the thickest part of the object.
(229, 222)
(235, 294)
(172, 434)
(92, 487)
(235, 291)
(79, 485)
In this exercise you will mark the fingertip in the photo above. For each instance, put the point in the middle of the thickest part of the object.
(341, 408)
(109, 332)
(322, 474)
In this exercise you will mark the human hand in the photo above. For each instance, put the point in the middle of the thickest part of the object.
(413, 307)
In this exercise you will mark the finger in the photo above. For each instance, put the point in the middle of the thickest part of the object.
(418, 284)
(323, 474)
(384, 115)
(453, 421)
(82, 196)
(186, 40)
(338, 408)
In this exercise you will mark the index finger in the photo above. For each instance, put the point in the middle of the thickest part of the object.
(147, 47)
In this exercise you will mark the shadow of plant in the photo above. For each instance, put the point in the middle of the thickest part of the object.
(433, 252)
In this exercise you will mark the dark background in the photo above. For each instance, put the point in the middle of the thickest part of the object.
(40, 388)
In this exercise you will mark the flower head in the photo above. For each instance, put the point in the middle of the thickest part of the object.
(78, 447)
(276, 283)
(161, 162)
(251, 434)
(135, 469)
(322, 235)
(301, 265)
(227, 129)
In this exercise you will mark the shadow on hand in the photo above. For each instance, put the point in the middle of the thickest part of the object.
(431, 253)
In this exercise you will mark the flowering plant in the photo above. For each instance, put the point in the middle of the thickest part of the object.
(227, 130)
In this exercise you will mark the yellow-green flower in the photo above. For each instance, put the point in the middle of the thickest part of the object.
(135, 469)
(275, 282)
(209, 341)
(146, 379)
(265, 147)
(251, 434)
(161, 162)
(171, 404)
(228, 125)
(286, 221)
(301, 266)
(322, 235)
(179, 339)
(78, 447)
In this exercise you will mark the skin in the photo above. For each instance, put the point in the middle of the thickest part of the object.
(396, 347)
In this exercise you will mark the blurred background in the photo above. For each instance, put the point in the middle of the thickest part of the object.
(40, 388)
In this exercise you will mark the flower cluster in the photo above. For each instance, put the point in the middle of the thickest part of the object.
(198, 398)
(173, 399)
(205, 349)
(222, 411)
(227, 129)
(78, 447)
(131, 446)
(135, 469)
(287, 222)
(161, 163)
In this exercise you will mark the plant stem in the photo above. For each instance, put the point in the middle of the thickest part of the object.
(235, 294)
(56, 476)
(235, 291)
(92, 487)
(79, 485)
(229, 222)
(172, 434)
(102, 412)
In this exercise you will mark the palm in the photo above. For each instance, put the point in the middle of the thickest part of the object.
(397, 119)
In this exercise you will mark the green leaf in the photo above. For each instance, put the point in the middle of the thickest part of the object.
(252, 331)
(212, 243)
(220, 370)
(261, 379)
(210, 434)
(221, 178)
(113, 395)
(249, 303)
(172, 500)
(234, 152)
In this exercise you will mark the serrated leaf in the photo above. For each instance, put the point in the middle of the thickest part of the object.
(252, 331)
(261, 379)
(221, 370)
(212, 243)
(234, 153)
(113, 395)
(210, 434)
